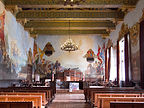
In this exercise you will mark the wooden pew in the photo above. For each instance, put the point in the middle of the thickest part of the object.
(126, 104)
(90, 92)
(97, 95)
(44, 101)
(49, 91)
(104, 102)
(37, 100)
(16, 105)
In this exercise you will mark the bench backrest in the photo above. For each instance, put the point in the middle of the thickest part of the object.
(37, 100)
(104, 102)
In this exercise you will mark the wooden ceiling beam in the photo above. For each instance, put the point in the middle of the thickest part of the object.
(73, 24)
(63, 14)
(61, 2)
(71, 32)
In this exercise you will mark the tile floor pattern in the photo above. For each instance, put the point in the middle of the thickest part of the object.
(69, 101)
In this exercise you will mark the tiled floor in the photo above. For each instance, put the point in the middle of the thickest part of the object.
(69, 101)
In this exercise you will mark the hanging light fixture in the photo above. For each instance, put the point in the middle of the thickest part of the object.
(69, 45)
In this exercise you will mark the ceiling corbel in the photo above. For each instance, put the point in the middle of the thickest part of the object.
(14, 9)
(22, 21)
(105, 36)
(34, 36)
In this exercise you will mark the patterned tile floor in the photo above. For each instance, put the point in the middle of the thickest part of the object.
(69, 101)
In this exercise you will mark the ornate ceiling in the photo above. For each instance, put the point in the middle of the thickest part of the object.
(52, 17)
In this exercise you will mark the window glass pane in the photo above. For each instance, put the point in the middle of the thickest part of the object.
(113, 67)
(122, 60)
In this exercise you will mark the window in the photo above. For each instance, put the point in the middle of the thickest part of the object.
(122, 59)
(113, 66)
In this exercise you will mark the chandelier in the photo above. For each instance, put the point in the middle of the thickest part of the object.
(69, 45)
(72, 2)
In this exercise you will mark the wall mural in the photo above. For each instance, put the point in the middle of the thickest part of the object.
(16, 45)
(135, 52)
(6, 71)
(95, 71)
(41, 66)
(74, 61)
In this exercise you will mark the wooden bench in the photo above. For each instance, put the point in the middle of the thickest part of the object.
(97, 95)
(126, 104)
(49, 91)
(15, 104)
(104, 102)
(44, 101)
(37, 100)
(90, 92)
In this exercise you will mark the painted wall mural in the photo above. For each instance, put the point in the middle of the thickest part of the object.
(76, 60)
(14, 45)
(95, 71)
(18, 43)
(135, 52)
(5, 62)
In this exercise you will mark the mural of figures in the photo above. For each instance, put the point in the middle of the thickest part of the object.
(135, 52)
(95, 71)
(136, 66)
(29, 55)
(29, 73)
(5, 61)
(17, 43)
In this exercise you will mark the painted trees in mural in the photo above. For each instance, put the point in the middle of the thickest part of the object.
(48, 49)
